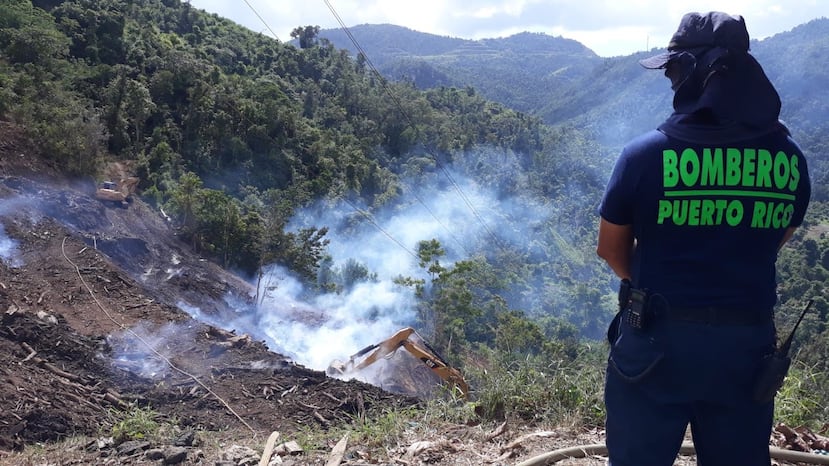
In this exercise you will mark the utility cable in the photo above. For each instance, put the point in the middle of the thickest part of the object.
(147, 344)
(428, 209)
(376, 225)
(262, 19)
(411, 123)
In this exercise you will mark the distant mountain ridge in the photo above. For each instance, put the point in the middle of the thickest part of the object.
(516, 70)
(536, 66)
(565, 83)
(383, 41)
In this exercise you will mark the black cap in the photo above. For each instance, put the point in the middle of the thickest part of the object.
(696, 31)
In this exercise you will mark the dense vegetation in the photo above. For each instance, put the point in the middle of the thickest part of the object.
(232, 133)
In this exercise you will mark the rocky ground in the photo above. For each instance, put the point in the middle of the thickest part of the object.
(93, 335)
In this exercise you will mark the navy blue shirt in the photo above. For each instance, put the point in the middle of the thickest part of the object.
(708, 218)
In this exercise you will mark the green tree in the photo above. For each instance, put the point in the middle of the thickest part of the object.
(307, 35)
(183, 200)
(28, 35)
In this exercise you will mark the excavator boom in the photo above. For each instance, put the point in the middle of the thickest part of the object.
(410, 341)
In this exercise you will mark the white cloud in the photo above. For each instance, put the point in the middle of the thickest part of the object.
(608, 27)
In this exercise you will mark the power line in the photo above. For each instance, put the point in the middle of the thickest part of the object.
(261, 19)
(411, 123)
(376, 225)
(428, 209)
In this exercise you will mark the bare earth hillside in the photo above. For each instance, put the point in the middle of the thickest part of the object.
(92, 330)
(87, 289)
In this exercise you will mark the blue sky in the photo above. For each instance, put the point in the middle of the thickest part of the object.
(608, 27)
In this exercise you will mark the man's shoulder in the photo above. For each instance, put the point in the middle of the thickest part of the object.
(647, 141)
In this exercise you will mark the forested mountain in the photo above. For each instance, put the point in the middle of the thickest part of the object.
(263, 152)
(233, 133)
(520, 71)
(564, 83)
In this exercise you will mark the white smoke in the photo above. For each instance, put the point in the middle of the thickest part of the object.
(9, 253)
(332, 326)
(316, 330)
(143, 348)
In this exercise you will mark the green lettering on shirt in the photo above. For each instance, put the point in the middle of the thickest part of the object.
(709, 188)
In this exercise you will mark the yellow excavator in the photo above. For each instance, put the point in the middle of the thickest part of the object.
(119, 192)
(411, 371)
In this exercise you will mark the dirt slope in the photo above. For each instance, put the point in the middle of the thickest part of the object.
(89, 299)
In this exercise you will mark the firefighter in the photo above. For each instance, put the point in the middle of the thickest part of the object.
(692, 219)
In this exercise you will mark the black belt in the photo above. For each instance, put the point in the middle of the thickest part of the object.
(717, 315)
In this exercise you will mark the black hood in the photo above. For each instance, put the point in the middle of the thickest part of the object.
(722, 94)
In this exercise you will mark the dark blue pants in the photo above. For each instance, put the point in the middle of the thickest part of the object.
(677, 374)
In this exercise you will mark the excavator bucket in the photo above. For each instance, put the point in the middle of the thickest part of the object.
(403, 364)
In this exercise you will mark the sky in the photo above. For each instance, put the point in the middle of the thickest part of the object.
(608, 27)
